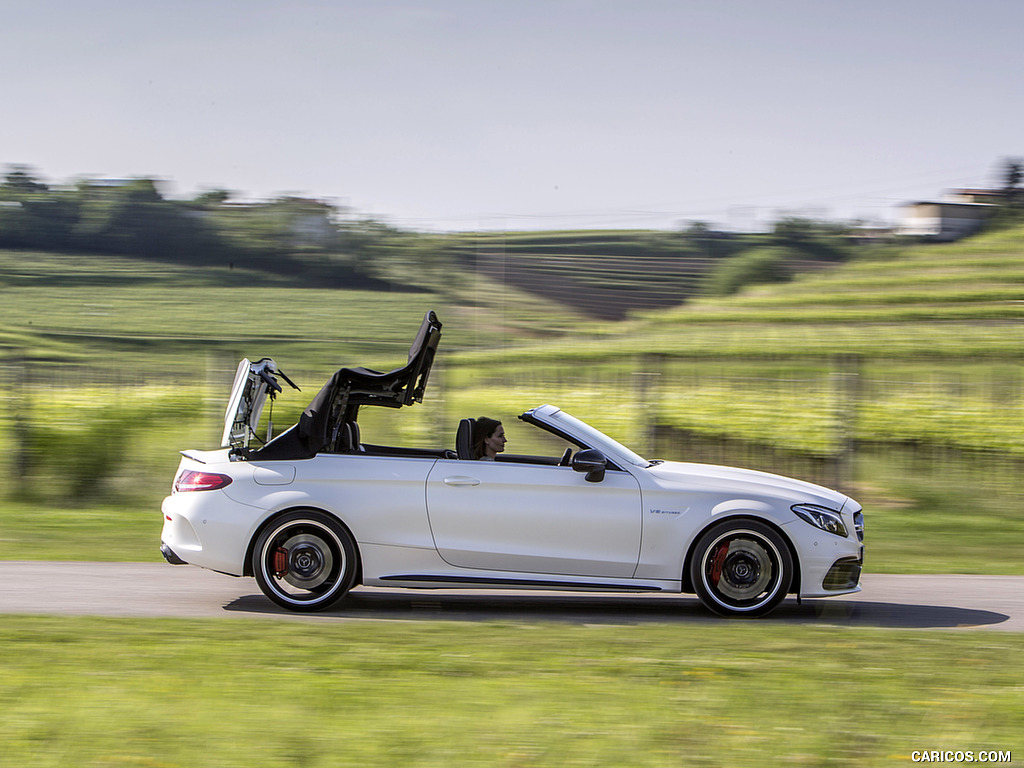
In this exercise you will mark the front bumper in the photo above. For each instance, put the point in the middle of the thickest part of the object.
(829, 564)
(844, 575)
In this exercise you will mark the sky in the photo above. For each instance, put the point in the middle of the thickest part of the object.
(523, 114)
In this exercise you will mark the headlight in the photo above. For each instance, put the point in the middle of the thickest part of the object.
(820, 517)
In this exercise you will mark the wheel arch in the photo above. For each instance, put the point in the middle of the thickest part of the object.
(247, 568)
(687, 584)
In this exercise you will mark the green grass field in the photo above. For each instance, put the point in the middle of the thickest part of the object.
(102, 358)
(168, 693)
(120, 312)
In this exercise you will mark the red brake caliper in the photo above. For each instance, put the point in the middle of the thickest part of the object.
(280, 562)
(718, 561)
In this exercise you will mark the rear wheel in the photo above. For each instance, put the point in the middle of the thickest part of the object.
(305, 561)
(741, 568)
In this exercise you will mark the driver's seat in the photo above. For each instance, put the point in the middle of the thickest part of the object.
(464, 440)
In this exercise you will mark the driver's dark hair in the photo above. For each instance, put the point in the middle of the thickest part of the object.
(483, 428)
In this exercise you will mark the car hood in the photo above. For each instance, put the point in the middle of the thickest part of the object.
(743, 482)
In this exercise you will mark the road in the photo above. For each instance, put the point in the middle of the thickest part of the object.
(161, 590)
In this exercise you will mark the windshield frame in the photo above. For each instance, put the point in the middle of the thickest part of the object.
(578, 431)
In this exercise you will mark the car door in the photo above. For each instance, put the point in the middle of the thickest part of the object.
(528, 518)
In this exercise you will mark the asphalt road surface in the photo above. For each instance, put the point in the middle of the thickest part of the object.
(161, 590)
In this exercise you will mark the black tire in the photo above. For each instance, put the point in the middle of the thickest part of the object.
(305, 561)
(741, 568)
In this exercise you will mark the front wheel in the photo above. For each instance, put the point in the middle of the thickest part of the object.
(305, 561)
(741, 568)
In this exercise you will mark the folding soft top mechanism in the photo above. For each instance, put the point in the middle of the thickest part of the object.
(329, 421)
(254, 382)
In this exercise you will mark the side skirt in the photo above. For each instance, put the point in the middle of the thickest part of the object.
(440, 582)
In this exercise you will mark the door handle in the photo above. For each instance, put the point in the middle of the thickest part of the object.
(461, 480)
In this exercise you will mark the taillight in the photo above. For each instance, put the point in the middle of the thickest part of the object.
(192, 480)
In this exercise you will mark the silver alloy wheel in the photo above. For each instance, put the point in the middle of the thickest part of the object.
(304, 561)
(310, 561)
(743, 568)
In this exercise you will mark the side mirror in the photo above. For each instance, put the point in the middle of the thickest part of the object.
(591, 461)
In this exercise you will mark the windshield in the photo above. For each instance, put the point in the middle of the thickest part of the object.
(596, 439)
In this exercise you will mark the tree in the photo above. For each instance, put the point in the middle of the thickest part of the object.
(766, 264)
(31, 216)
(19, 181)
(812, 238)
(212, 197)
(1013, 174)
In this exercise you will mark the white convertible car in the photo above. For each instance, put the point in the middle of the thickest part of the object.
(316, 511)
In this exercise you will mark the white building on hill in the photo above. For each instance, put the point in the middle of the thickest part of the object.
(960, 213)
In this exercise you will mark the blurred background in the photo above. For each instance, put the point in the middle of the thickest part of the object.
(786, 237)
(884, 363)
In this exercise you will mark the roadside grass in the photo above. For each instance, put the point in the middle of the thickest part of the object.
(949, 517)
(80, 499)
(101, 532)
(105, 692)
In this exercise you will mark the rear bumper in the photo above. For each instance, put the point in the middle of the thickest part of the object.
(169, 555)
(208, 529)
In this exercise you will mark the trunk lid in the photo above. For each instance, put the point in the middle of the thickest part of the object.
(253, 383)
